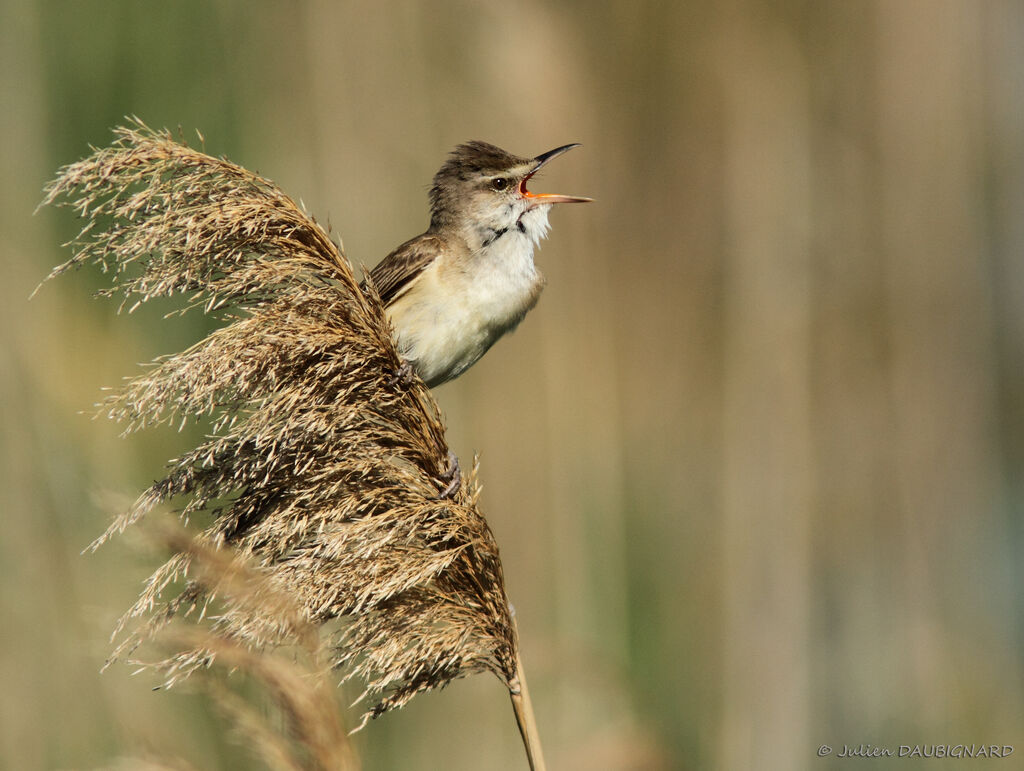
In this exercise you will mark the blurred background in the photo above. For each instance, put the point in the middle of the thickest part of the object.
(754, 462)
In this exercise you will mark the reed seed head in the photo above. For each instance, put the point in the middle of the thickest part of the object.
(320, 468)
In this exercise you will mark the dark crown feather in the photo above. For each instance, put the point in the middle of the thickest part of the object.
(466, 161)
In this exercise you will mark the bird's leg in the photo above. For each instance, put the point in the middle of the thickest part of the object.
(404, 375)
(453, 473)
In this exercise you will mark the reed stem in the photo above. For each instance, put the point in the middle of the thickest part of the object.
(523, 708)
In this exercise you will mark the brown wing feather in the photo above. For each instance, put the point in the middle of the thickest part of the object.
(394, 273)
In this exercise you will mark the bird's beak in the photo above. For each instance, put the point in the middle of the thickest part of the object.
(546, 198)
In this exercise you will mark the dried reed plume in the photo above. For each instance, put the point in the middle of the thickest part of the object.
(310, 734)
(322, 466)
(304, 730)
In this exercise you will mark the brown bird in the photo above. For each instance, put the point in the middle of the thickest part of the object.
(470, 278)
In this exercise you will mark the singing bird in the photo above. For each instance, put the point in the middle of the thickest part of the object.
(452, 291)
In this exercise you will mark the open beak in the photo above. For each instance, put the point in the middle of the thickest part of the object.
(546, 198)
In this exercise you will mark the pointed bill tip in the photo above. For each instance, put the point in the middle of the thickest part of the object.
(548, 198)
(545, 157)
(543, 198)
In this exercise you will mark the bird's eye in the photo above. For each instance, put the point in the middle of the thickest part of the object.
(499, 183)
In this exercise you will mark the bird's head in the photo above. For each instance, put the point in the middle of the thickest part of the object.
(482, 189)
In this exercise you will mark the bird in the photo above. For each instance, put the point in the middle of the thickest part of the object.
(470, 278)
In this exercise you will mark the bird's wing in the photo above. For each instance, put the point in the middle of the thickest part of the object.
(394, 274)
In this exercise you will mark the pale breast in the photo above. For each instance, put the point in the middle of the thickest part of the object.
(455, 312)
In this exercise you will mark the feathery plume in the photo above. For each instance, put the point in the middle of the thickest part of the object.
(324, 462)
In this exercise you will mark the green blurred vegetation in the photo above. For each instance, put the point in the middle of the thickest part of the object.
(755, 460)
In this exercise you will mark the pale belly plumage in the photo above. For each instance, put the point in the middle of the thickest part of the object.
(451, 316)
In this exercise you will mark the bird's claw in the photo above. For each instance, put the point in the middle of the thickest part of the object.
(404, 375)
(454, 474)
